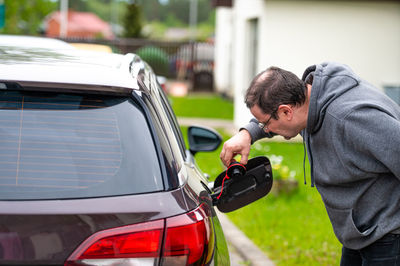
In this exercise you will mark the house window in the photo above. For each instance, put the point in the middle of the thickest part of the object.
(393, 92)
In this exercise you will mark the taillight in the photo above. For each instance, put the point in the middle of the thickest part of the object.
(187, 238)
(185, 241)
(135, 244)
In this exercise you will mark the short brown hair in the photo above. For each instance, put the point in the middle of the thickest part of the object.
(273, 87)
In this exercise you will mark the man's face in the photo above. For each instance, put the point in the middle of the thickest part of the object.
(285, 125)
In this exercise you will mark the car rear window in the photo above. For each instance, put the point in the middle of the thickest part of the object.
(62, 146)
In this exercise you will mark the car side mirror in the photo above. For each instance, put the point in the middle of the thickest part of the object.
(203, 139)
(242, 189)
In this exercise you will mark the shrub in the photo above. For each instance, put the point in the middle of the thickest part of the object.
(156, 58)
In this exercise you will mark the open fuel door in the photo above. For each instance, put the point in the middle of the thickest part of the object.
(236, 188)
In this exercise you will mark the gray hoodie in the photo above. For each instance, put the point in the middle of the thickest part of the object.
(353, 144)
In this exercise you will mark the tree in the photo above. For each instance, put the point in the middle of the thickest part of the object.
(132, 21)
(26, 16)
(78, 5)
(153, 10)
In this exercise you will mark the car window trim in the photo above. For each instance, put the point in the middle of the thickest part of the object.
(156, 140)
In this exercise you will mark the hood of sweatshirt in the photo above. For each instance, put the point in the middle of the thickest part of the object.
(339, 79)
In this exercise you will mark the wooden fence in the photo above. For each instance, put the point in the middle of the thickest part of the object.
(190, 61)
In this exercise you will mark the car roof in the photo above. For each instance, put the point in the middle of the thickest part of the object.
(33, 41)
(49, 61)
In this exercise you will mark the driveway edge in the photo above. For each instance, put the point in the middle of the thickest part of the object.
(244, 246)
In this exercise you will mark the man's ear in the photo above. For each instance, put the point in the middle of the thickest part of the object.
(285, 111)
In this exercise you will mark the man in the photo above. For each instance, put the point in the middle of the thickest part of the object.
(352, 134)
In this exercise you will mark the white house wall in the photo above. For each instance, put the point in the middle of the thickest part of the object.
(296, 34)
(223, 51)
(243, 12)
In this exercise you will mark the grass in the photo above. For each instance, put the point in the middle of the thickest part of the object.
(292, 229)
(202, 105)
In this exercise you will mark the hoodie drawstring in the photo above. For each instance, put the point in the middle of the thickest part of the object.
(310, 160)
(304, 162)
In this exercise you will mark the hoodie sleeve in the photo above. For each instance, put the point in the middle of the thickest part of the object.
(375, 135)
(255, 131)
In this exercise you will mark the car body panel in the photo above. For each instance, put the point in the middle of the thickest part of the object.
(156, 205)
(47, 232)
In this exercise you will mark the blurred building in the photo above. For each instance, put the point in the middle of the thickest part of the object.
(79, 25)
(293, 34)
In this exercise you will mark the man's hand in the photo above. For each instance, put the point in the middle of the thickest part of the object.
(238, 144)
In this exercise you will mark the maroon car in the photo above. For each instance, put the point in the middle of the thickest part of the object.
(93, 166)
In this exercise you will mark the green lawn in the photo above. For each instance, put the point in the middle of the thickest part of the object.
(292, 229)
(202, 105)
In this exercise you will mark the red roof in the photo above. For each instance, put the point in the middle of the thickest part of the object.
(81, 23)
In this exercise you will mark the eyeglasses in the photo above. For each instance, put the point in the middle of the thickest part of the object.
(264, 126)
